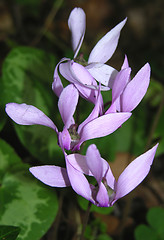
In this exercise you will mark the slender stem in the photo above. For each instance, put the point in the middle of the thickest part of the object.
(85, 221)
(155, 122)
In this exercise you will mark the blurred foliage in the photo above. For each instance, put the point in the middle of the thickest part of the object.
(9, 232)
(97, 230)
(24, 201)
(155, 230)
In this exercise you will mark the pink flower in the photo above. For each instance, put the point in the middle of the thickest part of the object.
(108, 190)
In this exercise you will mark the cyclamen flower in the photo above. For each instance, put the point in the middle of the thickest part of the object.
(127, 93)
(96, 66)
(108, 190)
(72, 138)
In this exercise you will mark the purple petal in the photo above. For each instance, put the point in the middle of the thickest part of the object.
(67, 104)
(102, 197)
(78, 161)
(57, 85)
(103, 126)
(51, 175)
(134, 173)
(24, 114)
(84, 82)
(136, 89)
(105, 48)
(120, 82)
(77, 74)
(110, 179)
(102, 73)
(95, 112)
(79, 182)
(125, 63)
(95, 162)
(65, 140)
(77, 25)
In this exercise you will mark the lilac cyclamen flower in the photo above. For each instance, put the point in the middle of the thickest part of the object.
(127, 93)
(96, 66)
(108, 190)
(94, 126)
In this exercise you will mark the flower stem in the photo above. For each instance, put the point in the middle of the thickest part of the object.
(85, 221)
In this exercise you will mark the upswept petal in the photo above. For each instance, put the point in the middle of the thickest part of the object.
(103, 73)
(98, 108)
(78, 161)
(24, 114)
(77, 74)
(102, 126)
(50, 175)
(79, 182)
(110, 179)
(106, 46)
(136, 89)
(81, 78)
(94, 162)
(57, 85)
(134, 173)
(102, 197)
(65, 140)
(67, 104)
(120, 82)
(77, 25)
(125, 63)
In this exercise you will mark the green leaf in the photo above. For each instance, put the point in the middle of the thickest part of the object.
(24, 201)
(27, 77)
(143, 232)
(83, 203)
(27, 203)
(159, 133)
(9, 232)
(8, 158)
(103, 237)
(155, 218)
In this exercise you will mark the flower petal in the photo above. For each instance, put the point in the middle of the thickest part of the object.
(77, 25)
(120, 82)
(79, 182)
(53, 176)
(125, 63)
(102, 73)
(94, 162)
(102, 197)
(106, 46)
(84, 82)
(98, 109)
(78, 161)
(102, 126)
(65, 140)
(24, 114)
(67, 104)
(136, 89)
(57, 85)
(134, 173)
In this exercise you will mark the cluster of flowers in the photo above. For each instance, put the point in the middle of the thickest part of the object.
(83, 77)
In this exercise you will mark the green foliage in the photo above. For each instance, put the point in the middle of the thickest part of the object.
(155, 229)
(9, 232)
(24, 201)
(159, 134)
(96, 230)
(27, 78)
(104, 237)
